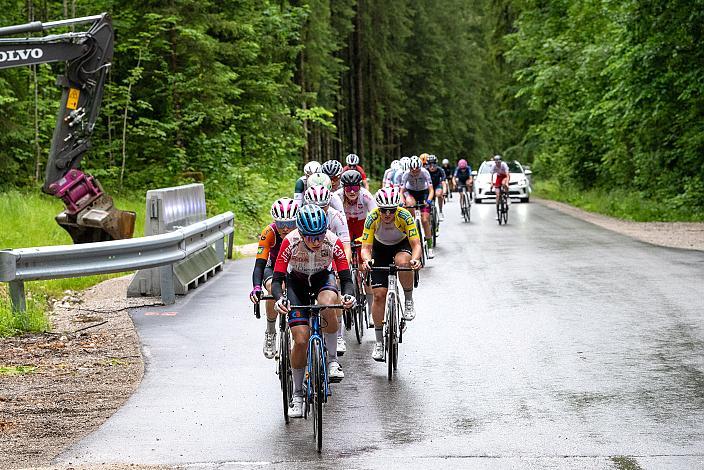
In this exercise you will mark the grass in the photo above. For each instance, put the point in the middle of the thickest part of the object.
(621, 203)
(16, 370)
(28, 218)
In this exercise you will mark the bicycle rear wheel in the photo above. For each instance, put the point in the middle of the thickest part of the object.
(424, 244)
(435, 226)
(318, 384)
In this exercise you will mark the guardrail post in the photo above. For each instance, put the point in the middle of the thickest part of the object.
(19, 304)
(230, 245)
(220, 249)
(166, 284)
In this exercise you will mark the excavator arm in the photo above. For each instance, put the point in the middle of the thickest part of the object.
(90, 214)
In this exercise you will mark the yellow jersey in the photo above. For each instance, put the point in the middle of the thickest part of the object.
(403, 226)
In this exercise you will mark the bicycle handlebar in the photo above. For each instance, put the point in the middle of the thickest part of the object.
(315, 307)
(391, 268)
(257, 311)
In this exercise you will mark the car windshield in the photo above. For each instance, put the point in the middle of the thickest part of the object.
(513, 167)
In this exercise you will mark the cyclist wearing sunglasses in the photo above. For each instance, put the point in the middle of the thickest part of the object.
(305, 263)
(417, 187)
(321, 179)
(437, 175)
(353, 164)
(283, 211)
(390, 235)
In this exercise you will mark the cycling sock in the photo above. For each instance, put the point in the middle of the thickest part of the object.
(298, 381)
(331, 344)
(408, 294)
(370, 299)
(270, 325)
(379, 332)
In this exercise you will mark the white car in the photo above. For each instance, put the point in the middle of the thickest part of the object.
(518, 185)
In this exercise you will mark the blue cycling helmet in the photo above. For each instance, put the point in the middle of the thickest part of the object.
(311, 220)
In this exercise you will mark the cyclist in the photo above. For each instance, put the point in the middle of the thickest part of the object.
(404, 164)
(337, 224)
(417, 186)
(305, 262)
(390, 235)
(388, 178)
(358, 203)
(449, 172)
(283, 211)
(321, 179)
(333, 169)
(308, 169)
(353, 164)
(438, 177)
(500, 169)
(463, 176)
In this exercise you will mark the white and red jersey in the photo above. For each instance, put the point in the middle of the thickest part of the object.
(297, 259)
(356, 212)
(336, 202)
(337, 224)
(500, 170)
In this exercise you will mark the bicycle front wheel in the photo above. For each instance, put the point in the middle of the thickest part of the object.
(391, 316)
(318, 383)
(285, 375)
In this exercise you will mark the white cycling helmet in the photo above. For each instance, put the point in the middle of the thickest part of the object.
(395, 165)
(284, 210)
(445, 161)
(404, 163)
(318, 195)
(387, 198)
(497, 158)
(311, 167)
(415, 163)
(352, 159)
(319, 179)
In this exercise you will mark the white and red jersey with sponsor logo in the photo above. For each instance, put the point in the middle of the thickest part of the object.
(297, 259)
(337, 224)
(357, 211)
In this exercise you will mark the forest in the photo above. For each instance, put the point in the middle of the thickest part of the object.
(594, 94)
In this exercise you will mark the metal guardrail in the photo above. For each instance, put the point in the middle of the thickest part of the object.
(60, 262)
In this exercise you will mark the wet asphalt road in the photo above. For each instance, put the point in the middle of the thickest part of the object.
(547, 343)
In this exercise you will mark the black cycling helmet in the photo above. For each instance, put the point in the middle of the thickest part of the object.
(432, 159)
(351, 178)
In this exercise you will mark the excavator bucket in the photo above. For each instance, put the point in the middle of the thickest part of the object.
(90, 214)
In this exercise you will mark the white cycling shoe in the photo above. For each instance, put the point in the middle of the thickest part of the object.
(431, 253)
(296, 408)
(341, 346)
(378, 353)
(335, 373)
(269, 348)
(409, 313)
(442, 216)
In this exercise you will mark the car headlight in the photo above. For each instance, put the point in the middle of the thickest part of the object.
(522, 183)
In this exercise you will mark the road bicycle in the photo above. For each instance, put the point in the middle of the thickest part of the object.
(419, 227)
(434, 222)
(502, 206)
(283, 353)
(394, 324)
(359, 315)
(316, 384)
(465, 203)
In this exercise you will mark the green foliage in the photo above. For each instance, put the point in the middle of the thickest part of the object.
(614, 93)
(32, 320)
(16, 370)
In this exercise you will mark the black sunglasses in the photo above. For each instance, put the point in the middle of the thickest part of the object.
(387, 211)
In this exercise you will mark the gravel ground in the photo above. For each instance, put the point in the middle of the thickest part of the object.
(82, 377)
(83, 371)
(685, 235)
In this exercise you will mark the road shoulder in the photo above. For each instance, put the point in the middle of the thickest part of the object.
(684, 235)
